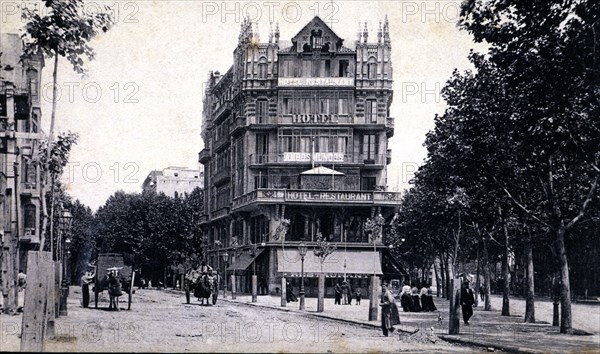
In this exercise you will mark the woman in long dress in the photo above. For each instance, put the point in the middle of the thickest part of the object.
(389, 311)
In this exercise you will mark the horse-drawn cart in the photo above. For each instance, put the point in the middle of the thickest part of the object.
(113, 275)
(203, 285)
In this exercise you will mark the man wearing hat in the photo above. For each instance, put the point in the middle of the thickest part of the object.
(467, 300)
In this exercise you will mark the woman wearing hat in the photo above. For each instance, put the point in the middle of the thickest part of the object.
(389, 311)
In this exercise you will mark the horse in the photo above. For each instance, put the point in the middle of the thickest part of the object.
(205, 287)
(113, 283)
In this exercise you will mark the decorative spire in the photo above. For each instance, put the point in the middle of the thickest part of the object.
(386, 31)
(379, 33)
(365, 33)
(277, 33)
(270, 32)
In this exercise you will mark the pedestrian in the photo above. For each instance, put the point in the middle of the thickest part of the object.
(345, 289)
(416, 301)
(357, 296)
(466, 301)
(424, 300)
(389, 311)
(405, 298)
(86, 280)
(290, 293)
(21, 280)
(338, 293)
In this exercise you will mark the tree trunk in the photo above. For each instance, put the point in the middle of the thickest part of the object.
(487, 277)
(447, 285)
(48, 151)
(505, 273)
(454, 319)
(321, 294)
(437, 278)
(477, 279)
(565, 289)
(529, 285)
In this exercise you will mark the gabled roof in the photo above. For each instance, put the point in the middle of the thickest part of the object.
(322, 170)
(316, 22)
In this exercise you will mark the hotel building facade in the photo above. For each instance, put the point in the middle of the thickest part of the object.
(295, 146)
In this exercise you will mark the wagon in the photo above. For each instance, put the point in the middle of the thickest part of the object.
(126, 274)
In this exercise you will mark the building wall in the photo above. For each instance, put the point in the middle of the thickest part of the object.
(20, 121)
(283, 109)
(173, 180)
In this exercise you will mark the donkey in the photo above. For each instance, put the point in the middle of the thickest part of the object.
(114, 288)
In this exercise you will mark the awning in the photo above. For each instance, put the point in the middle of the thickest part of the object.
(243, 261)
(357, 263)
(322, 170)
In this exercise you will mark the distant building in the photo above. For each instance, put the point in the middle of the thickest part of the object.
(173, 180)
(20, 134)
(298, 131)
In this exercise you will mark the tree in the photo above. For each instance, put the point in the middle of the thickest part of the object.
(65, 31)
(52, 163)
(545, 52)
(322, 250)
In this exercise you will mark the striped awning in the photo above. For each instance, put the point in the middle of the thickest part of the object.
(339, 263)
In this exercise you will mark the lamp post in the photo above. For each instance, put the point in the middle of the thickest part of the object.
(225, 259)
(65, 221)
(302, 250)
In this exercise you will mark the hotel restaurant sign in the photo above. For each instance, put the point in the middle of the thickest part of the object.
(310, 196)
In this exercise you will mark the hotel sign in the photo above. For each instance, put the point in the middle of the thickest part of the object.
(315, 118)
(317, 157)
(316, 81)
(329, 196)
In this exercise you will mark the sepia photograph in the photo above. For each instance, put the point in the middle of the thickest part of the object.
(303, 176)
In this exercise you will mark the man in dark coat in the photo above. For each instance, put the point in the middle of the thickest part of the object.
(338, 293)
(467, 300)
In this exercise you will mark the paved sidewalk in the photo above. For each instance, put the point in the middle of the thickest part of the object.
(488, 329)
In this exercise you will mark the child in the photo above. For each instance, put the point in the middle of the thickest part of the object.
(357, 296)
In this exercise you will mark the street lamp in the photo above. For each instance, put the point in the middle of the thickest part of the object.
(225, 259)
(65, 221)
(302, 250)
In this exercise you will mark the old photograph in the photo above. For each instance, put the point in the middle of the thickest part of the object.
(300, 176)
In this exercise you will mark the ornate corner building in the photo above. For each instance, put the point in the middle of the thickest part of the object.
(20, 133)
(298, 132)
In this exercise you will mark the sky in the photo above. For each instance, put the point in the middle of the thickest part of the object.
(140, 107)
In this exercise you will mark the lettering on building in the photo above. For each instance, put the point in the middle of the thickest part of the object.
(317, 157)
(329, 196)
(314, 118)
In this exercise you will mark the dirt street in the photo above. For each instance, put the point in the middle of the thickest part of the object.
(161, 321)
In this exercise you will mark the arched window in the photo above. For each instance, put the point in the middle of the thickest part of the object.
(262, 68)
(372, 68)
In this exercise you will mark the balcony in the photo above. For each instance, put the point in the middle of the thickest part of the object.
(221, 142)
(222, 176)
(222, 110)
(299, 158)
(29, 188)
(238, 125)
(219, 213)
(389, 127)
(204, 156)
(315, 197)
(315, 81)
